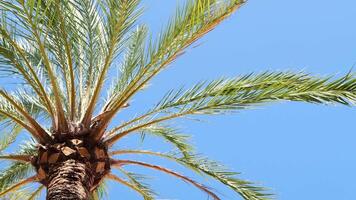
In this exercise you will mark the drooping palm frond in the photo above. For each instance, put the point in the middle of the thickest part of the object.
(228, 95)
(121, 163)
(138, 181)
(9, 113)
(133, 186)
(14, 123)
(212, 169)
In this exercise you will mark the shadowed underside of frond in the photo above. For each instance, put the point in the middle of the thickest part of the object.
(63, 53)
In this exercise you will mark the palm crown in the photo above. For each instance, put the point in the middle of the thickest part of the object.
(61, 51)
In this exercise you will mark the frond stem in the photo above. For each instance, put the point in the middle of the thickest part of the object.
(19, 158)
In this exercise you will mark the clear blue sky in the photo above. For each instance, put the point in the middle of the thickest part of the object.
(300, 151)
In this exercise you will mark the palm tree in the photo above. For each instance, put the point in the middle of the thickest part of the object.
(62, 51)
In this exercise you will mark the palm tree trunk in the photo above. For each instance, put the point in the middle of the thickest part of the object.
(69, 180)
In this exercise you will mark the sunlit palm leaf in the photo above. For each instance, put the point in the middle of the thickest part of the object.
(189, 24)
(229, 95)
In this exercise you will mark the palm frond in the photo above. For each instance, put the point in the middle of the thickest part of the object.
(90, 47)
(130, 66)
(190, 23)
(18, 158)
(8, 138)
(37, 131)
(18, 185)
(228, 95)
(58, 23)
(13, 120)
(137, 180)
(132, 186)
(120, 16)
(100, 192)
(15, 58)
(14, 173)
(170, 135)
(212, 169)
(29, 15)
(120, 163)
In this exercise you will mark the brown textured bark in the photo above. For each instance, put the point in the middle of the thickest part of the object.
(69, 180)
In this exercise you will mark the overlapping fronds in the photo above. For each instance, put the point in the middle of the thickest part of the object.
(18, 185)
(18, 57)
(60, 45)
(14, 121)
(120, 16)
(229, 95)
(33, 126)
(14, 173)
(131, 66)
(24, 154)
(190, 23)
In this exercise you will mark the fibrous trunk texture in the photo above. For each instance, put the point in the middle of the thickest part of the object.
(69, 180)
(72, 165)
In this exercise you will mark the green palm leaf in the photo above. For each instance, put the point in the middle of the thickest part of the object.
(229, 95)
